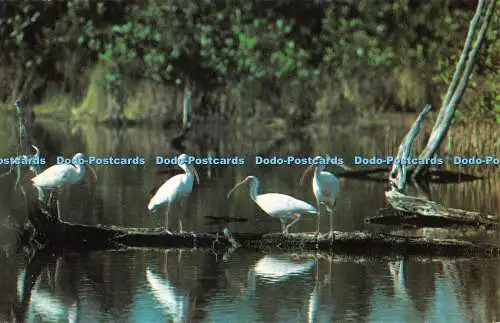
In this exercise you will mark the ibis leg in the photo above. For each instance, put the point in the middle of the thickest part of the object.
(49, 201)
(296, 217)
(58, 209)
(318, 217)
(330, 211)
(41, 195)
(166, 220)
(183, 208)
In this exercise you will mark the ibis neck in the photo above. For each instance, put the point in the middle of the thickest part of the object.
(187, 170)
(79, 169)
(254, 189)
(190, 172)
(317, 172)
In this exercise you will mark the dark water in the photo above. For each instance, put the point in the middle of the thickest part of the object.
(161, 286)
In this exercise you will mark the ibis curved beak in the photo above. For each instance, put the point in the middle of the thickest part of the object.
(195, 172)
(235, 187)
(92, 170)
(306, 171)
(36, 149)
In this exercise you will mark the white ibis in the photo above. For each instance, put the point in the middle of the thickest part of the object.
(325, 188)
(277, 205)
(59, 176)
(175, 189)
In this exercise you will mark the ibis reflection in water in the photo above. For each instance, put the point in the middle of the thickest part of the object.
(175, 304)
(175, 189)
(325, 188)
(45, 305)
(276, 205)
(275, 272)
(277, 268)
(57, 177)
(397, 273)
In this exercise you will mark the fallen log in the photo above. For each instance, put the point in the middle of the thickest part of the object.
(424, 213)
(79, 237)
(390, 216)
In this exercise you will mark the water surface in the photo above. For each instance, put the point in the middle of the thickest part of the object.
(160, 286)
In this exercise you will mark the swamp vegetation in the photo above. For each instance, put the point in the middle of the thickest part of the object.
(298, 61)
(299, 72)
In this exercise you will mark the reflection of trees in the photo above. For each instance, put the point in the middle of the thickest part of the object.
(47, 289)
(466, 291)
(114, 285)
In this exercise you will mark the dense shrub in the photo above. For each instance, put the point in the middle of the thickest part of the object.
(210, 44)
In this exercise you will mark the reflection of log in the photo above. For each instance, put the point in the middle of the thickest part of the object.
(83, 237)
(421, 212)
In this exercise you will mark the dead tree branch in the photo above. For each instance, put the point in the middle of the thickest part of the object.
(458, 83)
(397, 177)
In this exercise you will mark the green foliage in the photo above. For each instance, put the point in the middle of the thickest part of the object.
(50, 39)
(214, 44)
(355, 37)
(209, 45)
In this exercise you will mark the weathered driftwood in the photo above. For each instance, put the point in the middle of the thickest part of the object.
(424, 207)
(424, 213)
(390, 216)
(421, 212)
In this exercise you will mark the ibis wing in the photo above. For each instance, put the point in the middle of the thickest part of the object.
(329, 187)
(329, 183)
(172, 189)
(55, 176)
(276, 204)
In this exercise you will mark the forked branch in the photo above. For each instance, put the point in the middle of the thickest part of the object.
(458, 83)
